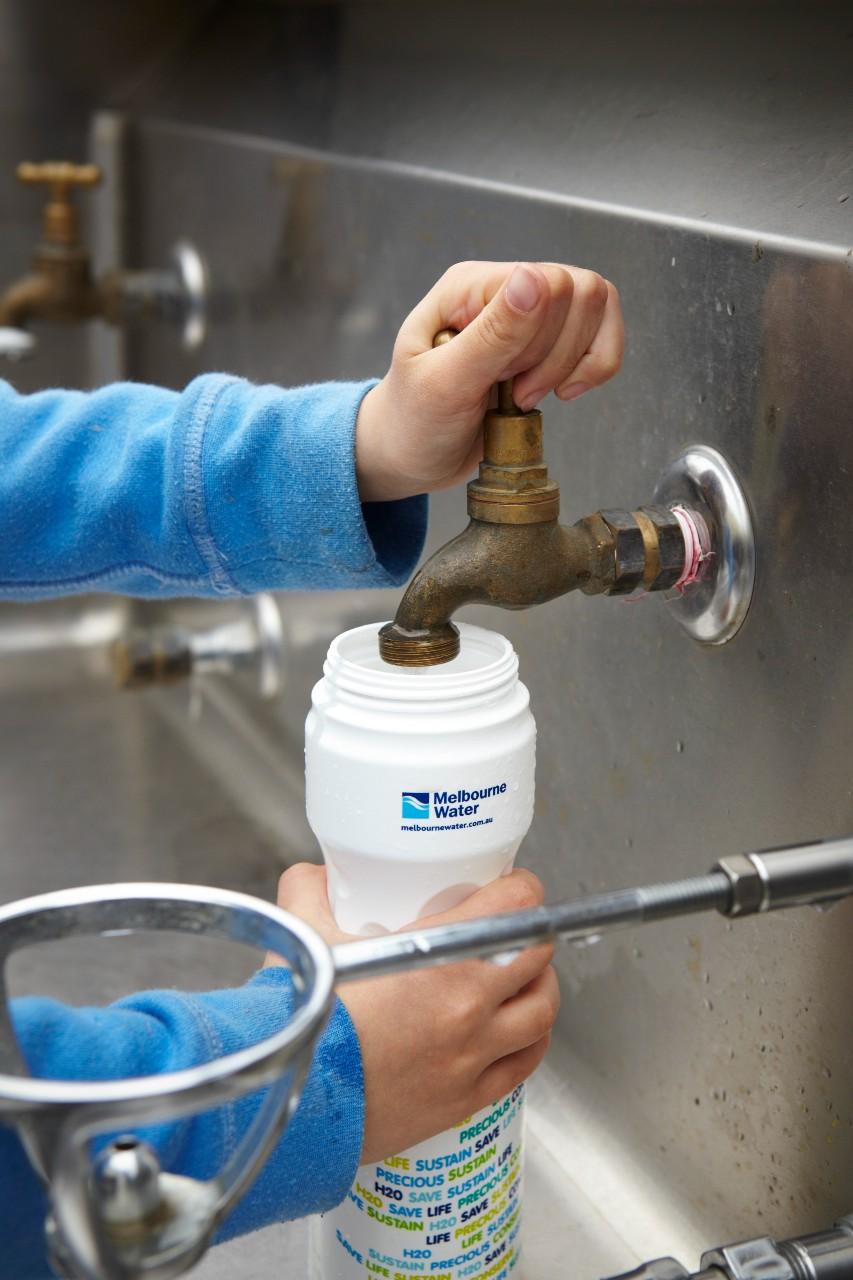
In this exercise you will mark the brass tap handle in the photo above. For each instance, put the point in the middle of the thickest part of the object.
(59, 225)
(506, 404)
(513, 485)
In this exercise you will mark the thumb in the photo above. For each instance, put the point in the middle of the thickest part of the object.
(487, 349)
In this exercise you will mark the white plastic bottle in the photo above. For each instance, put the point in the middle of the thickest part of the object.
(419, 789)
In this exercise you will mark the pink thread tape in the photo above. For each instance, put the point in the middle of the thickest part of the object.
(695, 552)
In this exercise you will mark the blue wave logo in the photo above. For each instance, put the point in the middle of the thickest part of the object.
(416, 805)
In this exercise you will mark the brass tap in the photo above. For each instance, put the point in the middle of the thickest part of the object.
(515, 553)
(61, 287)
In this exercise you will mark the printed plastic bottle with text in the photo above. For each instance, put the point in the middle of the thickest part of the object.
(419, 787)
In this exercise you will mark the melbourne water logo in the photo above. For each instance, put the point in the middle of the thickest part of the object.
(448, 804)
(416, 805)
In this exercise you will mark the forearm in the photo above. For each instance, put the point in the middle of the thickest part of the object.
(223, 489)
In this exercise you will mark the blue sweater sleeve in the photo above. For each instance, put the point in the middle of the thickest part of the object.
(224, 489)
(312, 1165)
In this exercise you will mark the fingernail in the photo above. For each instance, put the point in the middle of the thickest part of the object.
(523, 289)
(530, 401)
(573, 390)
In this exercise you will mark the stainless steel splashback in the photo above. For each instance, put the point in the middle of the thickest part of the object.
(699, 1086)
(721, 1061)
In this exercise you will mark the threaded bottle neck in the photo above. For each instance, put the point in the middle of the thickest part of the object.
(485, 670)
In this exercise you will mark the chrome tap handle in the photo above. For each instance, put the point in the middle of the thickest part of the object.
(16, 344)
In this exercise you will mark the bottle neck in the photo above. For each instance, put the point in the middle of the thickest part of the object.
(486, 671)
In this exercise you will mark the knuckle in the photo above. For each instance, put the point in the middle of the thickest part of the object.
(544, 1015)
(524, 889)
(524, 1065)
(561, 281)
(459, 275)
(591, 289)
(289, 878)
(543, 1046)
(601, 365)
(542, 1018)
(455, 270)
(465, 1008)
(295, 879)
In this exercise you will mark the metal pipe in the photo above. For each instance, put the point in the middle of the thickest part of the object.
(496, 935)
(824, 1255)
(746, 884)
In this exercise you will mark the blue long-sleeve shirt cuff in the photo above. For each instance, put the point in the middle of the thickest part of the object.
(224, 489)
(312, 1165)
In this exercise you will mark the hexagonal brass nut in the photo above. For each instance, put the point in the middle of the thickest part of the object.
(670, 547)
(629, 551)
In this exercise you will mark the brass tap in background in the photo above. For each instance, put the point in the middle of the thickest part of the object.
(61, 287)
(515, 553)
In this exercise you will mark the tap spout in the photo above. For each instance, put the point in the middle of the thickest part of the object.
(24, 299)
(512, 566)
(514, 552)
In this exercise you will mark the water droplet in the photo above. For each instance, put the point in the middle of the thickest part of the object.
(709, 1005)
(638, 955)
(679, 746)
(589, 941)
(629, 843)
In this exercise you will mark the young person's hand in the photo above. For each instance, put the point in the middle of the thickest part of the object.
(548, 326)
(439, 1044)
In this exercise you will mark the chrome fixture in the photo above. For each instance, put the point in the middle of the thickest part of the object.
(61, 288)
(126, 1218)
(250, 644)
(16, 344)
(714, 608)
(824, 1255)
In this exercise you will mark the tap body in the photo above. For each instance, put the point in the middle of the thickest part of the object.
(512, 566)
(515, 553)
